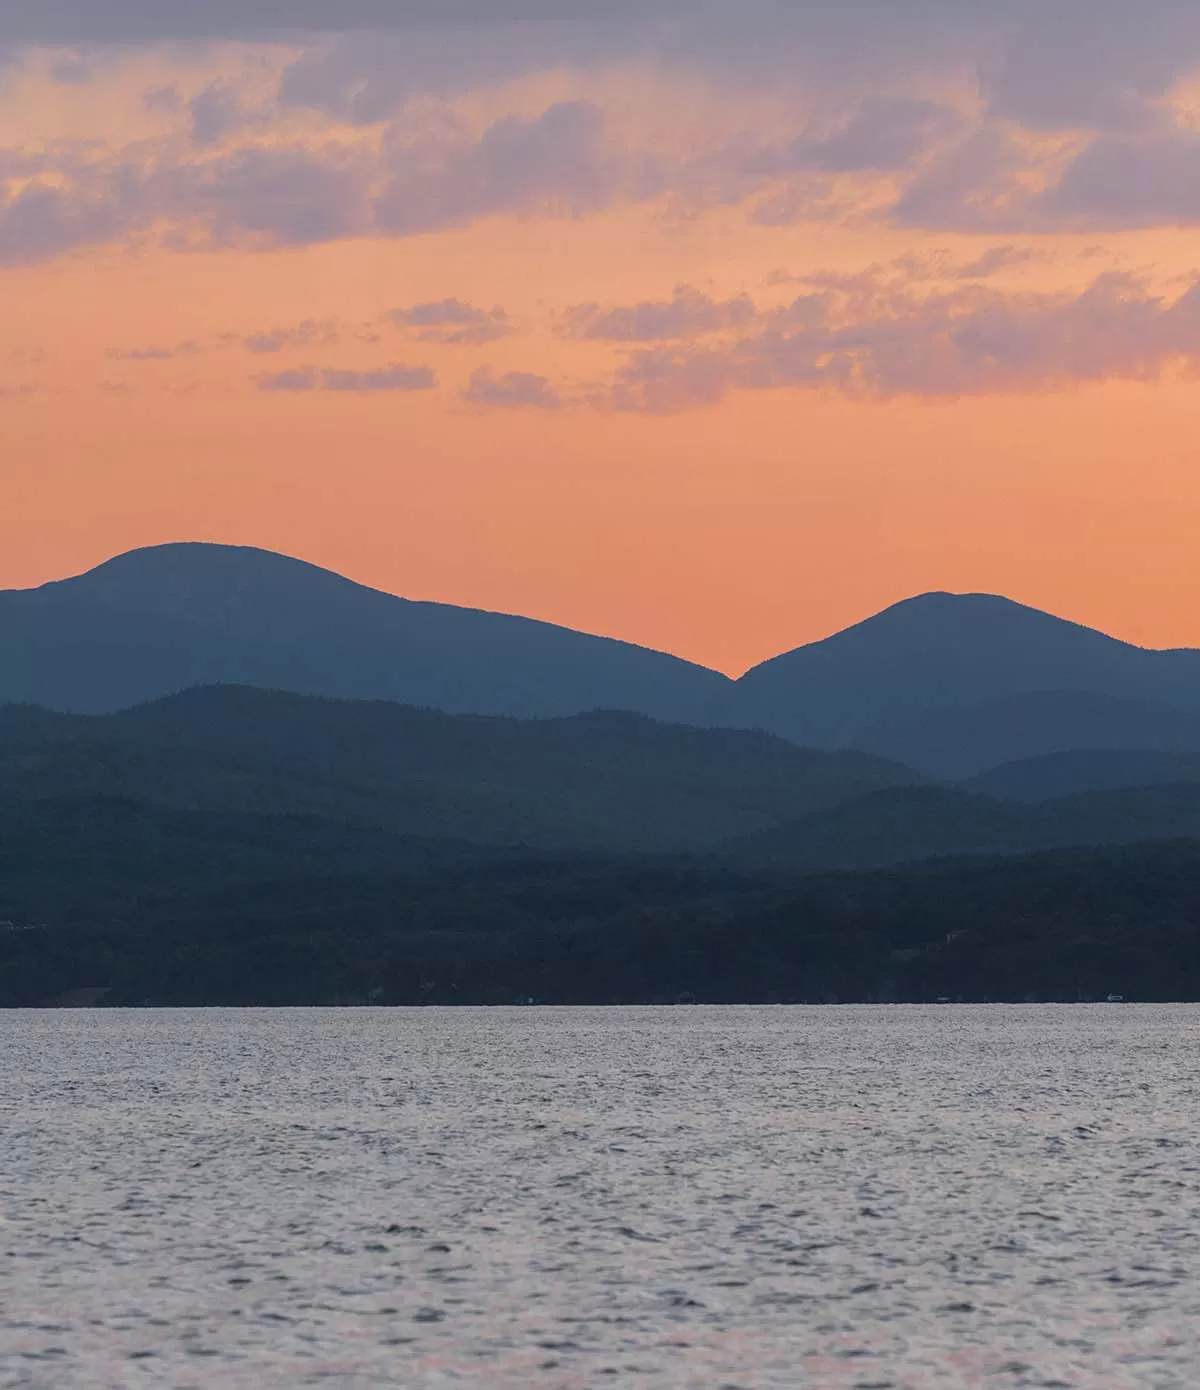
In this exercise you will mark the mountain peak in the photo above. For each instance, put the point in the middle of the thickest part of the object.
(159, 619)
(201, 581)
(942, 651)
(972, 620)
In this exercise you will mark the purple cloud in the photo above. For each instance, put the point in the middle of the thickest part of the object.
(217, 112)
(452, 321)
(687, 314)
(154, 353)
(882, 134)
(553, 163)
(304, 334)
(512, 391)
(875, 341)
(397, 377)
(1122, 181)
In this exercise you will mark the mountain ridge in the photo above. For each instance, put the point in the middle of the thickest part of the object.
(165, 618)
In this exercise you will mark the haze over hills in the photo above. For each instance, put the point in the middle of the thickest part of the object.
(1085, 770)
(950, 685)
(902, 824)
(963, 741)
(244, 846)
(596, 781)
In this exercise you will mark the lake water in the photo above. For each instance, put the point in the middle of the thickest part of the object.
(709, 1197)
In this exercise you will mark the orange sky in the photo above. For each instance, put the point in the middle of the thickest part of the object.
(724, 532)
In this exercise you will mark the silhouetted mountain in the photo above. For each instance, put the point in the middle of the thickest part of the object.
(911, 823)
(600, 780)
(952, 684)
(1060, 774)
(963, 741)
(166, 618)
(940, 651)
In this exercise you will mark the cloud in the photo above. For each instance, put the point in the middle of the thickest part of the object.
(81, 21)
(218, 112)
(968, 116)
(991, 262)
(1119, 182)
(918, 267)
(397, 377)
(996, 181)
(44, 219)
(163, 99)
(513, 390)
(154, 353)
(307, 334)
(270, 196)
(274, 195)
(882, 134)
(687, 314)
(874, 341)
(451, 321)
(554, 163)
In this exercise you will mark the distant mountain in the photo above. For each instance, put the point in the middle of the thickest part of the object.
(1085, 770)
(163, 619)
(939, 652)
(963, 741)
(903, 824)
(597, 781)
(951, 684)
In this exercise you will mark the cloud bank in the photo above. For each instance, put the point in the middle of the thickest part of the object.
(874, 339)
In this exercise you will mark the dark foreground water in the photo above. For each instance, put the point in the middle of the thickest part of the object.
(900, 1197)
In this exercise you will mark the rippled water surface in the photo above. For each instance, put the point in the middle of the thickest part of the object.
(870, 1197)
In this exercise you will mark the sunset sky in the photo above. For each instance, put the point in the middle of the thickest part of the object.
(712, 326)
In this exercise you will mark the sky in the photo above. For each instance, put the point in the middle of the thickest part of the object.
(713, 326)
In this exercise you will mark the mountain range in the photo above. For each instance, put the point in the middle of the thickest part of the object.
(231, 777)
(950, 685)
(603, 782)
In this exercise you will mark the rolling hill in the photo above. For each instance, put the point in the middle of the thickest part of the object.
(963, 741)
(613, 781)
(1084, 770)
(907, 824)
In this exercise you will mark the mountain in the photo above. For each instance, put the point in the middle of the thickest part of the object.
(965, 740)
(598, 781)
(939, 652)
(950, 684)
(1085, 770)
(906, 824)
(166, 618)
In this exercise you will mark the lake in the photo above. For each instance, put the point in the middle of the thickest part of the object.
(712, 1197)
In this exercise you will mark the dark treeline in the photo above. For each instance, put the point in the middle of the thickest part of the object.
(139, 907)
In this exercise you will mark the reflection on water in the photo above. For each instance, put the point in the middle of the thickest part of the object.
(868, 1197)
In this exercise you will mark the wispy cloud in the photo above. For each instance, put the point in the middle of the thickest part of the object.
(687, 314)
(154, 352)
(512, 391)
(873, 340)
(453, 322)
(309, 333)
(398, 376)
